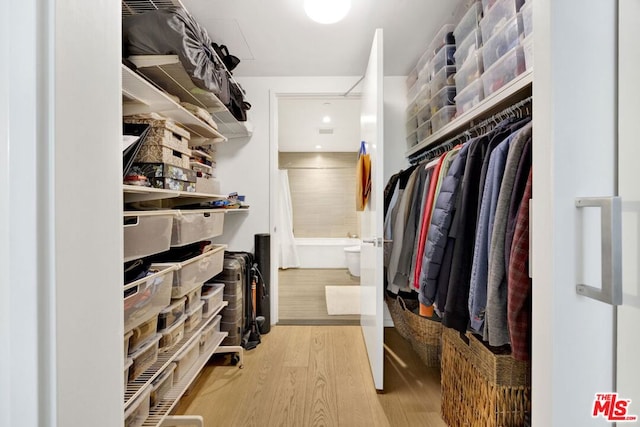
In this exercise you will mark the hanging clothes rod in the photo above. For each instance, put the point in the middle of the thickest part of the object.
(514, 110)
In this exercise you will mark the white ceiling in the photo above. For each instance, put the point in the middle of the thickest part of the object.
(300, 122)
(275, 37)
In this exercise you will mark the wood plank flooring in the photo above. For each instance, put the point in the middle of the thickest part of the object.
(302, 296)
(303, 376)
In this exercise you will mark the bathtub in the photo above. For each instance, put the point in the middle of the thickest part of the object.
(323, 252)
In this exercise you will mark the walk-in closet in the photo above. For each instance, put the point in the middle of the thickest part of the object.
(495, 235)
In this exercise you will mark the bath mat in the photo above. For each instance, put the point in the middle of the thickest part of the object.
(342, 299)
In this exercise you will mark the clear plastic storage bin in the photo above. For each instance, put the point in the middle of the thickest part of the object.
(172, 313)
(138, 411)
(469, 97)
(196, 270)
(443, 58)
(194, 317)
(443, 37)
(467, 48)
(527, 18)
(172, 335)
(412, 78)
(498, 16)
(193, 298)
(146, 233)
(162, 385)
(209, 333)
(195, 226)
(423, 98)
(424, 115)
(444, 97)
(412, 139)
(468, 23)
(527, 47)
(144, 357)
(146, 297)
(143, 333)
(502, 72)
(502, 42)
(411, 124)
(443, 78)
(212, 299)
(127, 337)
(186, 359)
(127, 365)
(424, 131)
(442, 117)
(471, 71)
(412, 93)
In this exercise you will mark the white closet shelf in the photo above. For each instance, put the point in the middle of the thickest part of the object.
(140, 97)
(238, 210)
(135, 387)
(135, 193)
(517, 89)
(169, 74)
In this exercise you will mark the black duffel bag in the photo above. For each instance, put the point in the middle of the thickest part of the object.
(237, 105)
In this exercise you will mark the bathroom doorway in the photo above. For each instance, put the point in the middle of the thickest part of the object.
(318, 141)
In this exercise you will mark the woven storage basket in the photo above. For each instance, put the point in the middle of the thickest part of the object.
(480, 387)
(425, 335)
(397, 314)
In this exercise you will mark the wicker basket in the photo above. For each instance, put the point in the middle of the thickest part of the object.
(397, 314)
(480, 387)
(424, 334)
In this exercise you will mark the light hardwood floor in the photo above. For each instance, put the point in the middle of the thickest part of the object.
(303, 376)
(302, 296)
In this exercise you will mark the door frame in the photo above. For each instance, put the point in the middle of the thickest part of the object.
(274, 188)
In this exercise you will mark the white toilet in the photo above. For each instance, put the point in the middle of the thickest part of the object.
(352, 254)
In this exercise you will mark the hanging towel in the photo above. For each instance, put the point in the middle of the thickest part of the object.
(363, 177)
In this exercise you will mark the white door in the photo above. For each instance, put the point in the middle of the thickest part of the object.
(372, 219)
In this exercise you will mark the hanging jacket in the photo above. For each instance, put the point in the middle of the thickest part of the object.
(456, 309)
(496, 330)
(439, 227)
(401, 278)
(519, 186)
(426, 220)
(398, 231)
(519, 283)
(480, 264)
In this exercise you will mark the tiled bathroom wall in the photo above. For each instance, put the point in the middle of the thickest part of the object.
(322, 193)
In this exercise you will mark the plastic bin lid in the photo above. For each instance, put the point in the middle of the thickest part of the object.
(164, 212)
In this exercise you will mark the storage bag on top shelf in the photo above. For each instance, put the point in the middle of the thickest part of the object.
(175, 32)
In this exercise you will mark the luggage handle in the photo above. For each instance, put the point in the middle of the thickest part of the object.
(207, 214)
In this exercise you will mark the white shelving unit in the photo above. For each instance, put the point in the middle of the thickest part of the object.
(139, 97)
(168, 73)
(514, 91)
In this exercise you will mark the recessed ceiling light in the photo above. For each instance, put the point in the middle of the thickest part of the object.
(318, 147)
(327, 11)
(326, 119)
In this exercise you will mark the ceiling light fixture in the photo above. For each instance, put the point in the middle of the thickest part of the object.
(326, 119)
(327, 11)
(318, 147)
